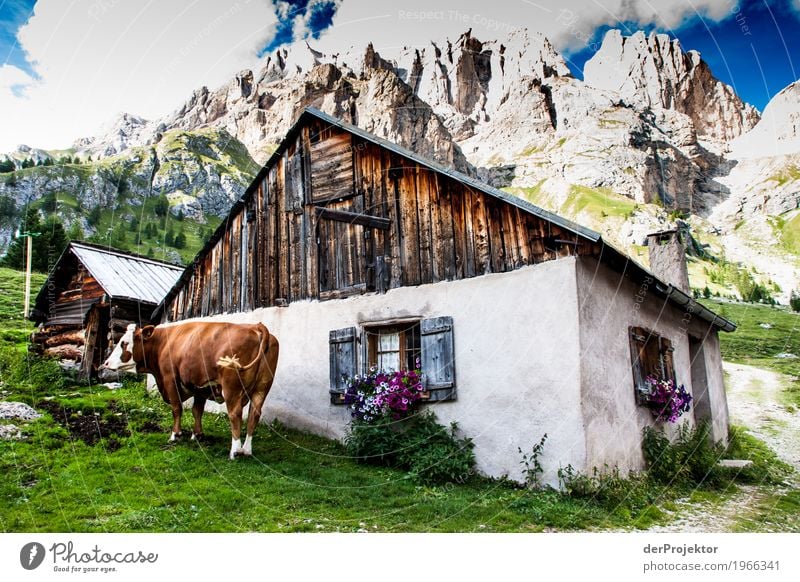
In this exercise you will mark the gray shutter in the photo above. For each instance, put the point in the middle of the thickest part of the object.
(438, 357)
(343, 360)
(638, 340)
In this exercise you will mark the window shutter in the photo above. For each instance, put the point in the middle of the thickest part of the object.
(638, 342)
(438, 357)
(666, 359)
(342, 344)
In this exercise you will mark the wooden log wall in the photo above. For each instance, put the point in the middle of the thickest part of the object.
(337, 215)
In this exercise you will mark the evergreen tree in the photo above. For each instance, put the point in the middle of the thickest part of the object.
(94, 216)
(794, 301)
(7, 166)
(15, 255)
(134, 224)
(162, 206)
(49, 246)
(180, 241)
(180, 216)
(75, 231)
(169, 238)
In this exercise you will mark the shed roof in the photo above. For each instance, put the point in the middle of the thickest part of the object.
(122, 275)
(127, 276)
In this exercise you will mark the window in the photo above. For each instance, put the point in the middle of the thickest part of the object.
(651, 355)
(396, 346)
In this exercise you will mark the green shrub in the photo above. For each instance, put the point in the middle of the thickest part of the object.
(608, 488)
(532, 465)
(432, 453)
(690, 460)
(377, 442)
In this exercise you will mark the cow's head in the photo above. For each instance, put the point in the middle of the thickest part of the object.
(128, 355)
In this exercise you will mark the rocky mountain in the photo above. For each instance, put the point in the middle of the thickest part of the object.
(653, 71)
(649, 137)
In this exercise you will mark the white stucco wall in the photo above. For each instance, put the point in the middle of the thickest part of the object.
(609, 305)
(517, 361)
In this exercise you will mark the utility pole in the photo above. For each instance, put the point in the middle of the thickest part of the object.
(29, 236)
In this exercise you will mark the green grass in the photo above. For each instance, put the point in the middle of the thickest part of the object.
(776, 512)
(295, 482)
(788, 232)
(756, 345)
(128, 478)
(598, 202)
(788, 174)
(14, 329)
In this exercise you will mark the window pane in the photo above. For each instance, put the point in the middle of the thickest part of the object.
(389, 342)
(389, 361)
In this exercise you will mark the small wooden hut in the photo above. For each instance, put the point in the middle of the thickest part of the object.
(89, 298)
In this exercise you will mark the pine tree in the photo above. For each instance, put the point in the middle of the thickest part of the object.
(75, 231)
(16, 253)
(169, 238)
(7, 166)
(180, 241)
(49, 246)
(94, 216)
(162, 206)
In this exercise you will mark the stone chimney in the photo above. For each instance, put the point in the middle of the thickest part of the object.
(668, 258)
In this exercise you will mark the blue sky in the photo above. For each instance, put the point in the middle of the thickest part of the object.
(13, 14)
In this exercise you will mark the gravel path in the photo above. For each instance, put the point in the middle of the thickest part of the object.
(754, 402)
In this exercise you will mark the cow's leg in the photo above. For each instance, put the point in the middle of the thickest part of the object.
(233, 401)
(197, 411)
(172, 397)
(256, 403)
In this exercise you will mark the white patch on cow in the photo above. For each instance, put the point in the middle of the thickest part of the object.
(172, 437)
(247, 449)
(114, 361)
(236, 448)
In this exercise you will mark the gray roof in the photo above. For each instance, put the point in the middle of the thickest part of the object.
(126, 276)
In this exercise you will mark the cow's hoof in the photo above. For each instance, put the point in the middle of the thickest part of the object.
(197, 436)
(175, 436)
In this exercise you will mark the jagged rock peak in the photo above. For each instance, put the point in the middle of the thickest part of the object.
(654, 71)
(778, 132)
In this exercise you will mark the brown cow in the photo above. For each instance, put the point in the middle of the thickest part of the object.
(204, 359)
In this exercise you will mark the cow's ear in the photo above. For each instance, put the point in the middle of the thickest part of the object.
(147, 331)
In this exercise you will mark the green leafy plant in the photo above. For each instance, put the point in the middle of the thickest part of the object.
(532, 465)
(691, 459)
(430, 452)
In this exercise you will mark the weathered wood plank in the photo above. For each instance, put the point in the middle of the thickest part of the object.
(406, 184)
(449, 242)
(423, 199)
(352, 217)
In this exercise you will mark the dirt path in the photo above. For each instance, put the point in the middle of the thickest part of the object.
(754, 402)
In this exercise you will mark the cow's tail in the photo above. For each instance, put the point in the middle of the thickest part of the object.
(232, 362)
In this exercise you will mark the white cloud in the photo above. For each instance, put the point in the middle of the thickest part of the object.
(14, 82)
(569, 24)
(97, 58)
